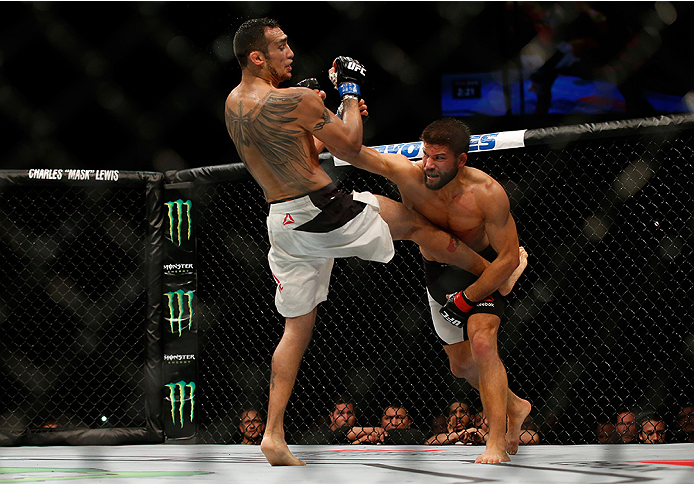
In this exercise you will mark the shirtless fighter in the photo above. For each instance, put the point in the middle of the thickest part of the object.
(278, 133)
(474, 207)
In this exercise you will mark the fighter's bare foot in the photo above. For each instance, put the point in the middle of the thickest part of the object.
(507, 286)
(493, 456)
(277, 453)
(516, 417)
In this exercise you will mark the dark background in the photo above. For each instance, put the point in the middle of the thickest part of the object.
(141, 85)
(597, 321)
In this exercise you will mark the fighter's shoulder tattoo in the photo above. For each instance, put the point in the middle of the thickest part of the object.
(325, 120)
(263, 128)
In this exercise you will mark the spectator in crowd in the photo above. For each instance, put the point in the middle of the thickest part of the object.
(625, 426)
(578, 40)
(251, 426)
(396, 427)
(342, 428)
(334, 429)
(456, 426)
(342, 416)
(459, 415)
(684, 428)
(529, 435)
(395, 417)
(652, 430)
(439, 424)
(605, 432)
(530, 432)
(480, 429)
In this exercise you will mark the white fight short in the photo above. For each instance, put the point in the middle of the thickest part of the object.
(301, 261)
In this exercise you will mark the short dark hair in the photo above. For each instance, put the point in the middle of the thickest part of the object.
(250, 36)
(449, 410)
(654, 417)
(448, 132)
(395, 406)
(342, 398)
(251, 409)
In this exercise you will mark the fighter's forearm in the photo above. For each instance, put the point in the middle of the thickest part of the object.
(351, 135)
(453, 252)
(492, 278)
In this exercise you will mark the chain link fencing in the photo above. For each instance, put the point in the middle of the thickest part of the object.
(601, 318)
(72, 311)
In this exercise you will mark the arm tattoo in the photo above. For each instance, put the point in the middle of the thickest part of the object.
(326, 120)
(453, 244)
(261, 128)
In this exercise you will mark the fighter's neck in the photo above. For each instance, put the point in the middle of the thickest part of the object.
(259, 78)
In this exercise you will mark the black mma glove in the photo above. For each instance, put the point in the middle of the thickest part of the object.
(311, 83)
(346, 75)
(458, 307)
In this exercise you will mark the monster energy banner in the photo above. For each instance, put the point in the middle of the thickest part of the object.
(180, 331)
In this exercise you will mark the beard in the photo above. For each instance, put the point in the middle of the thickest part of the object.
(281, 77)
(441, 181)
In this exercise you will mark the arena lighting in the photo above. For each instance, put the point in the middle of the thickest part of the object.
(633, 179)
(666, 11)
(629, 182)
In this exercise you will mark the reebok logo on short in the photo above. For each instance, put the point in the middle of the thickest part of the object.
(288, 219)
(279, 284)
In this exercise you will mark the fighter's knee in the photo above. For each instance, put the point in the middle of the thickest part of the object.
(407, 232)
(403, 222)
(482, 331)
(413, 225)
(483, 348)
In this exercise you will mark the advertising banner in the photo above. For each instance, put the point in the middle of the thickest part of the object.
(179, 303)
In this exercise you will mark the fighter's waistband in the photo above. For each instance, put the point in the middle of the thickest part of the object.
(318, 199)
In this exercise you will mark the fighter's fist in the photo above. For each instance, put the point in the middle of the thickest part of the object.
(311, 83)
(347, 74)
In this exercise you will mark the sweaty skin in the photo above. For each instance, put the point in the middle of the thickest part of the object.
(472, 206)
(273, 130)
(278, 133)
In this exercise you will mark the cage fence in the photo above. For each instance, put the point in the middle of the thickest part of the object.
(601, 318)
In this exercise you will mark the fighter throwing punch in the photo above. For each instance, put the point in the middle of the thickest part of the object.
(278, 133)
(465, 310)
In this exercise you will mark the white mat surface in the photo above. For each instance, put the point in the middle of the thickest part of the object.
(236, 464)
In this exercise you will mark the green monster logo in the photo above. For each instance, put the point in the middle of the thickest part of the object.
(176, 215)
(181, 388)
(178, 303)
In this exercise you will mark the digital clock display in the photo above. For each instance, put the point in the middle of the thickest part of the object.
(467, 89)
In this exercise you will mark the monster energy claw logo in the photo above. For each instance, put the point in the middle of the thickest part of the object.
(178, 402)
(178, 218)
(179, 304)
